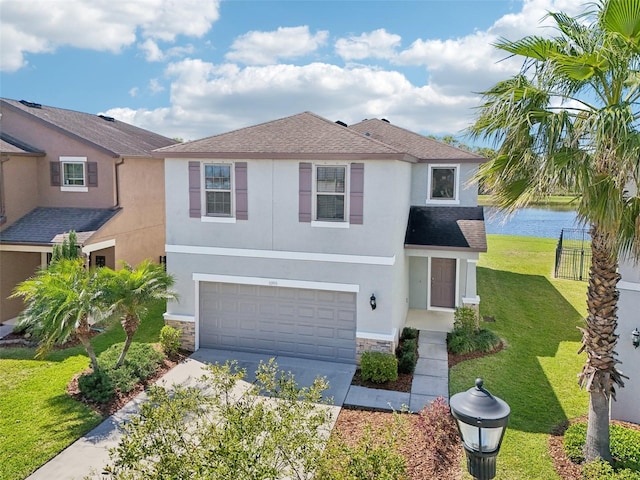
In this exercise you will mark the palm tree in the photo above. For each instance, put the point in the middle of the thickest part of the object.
(132, 291)
(62, 301)
(569, 121)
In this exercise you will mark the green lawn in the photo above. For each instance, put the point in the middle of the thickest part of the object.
(37, 418)
(536, 374)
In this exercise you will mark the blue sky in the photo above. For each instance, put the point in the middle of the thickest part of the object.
(194, 68)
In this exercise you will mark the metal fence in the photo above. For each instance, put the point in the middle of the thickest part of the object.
(573, 254)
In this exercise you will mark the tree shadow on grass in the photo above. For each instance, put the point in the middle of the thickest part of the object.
(534, 319)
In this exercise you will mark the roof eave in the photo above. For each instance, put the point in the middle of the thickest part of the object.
(287, 156)
(445, 247)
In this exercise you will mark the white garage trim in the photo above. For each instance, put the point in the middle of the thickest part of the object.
(282, 255)
(378, 336)
(275, 282)
(179, 318)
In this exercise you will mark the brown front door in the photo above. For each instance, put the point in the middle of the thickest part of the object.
(443, 282)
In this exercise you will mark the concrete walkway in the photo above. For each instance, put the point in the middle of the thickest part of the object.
(89, 454)
(430, 380)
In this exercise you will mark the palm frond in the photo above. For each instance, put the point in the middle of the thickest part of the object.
(622, 17)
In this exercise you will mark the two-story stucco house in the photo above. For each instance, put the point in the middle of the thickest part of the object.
(310, 238)
(62, 170)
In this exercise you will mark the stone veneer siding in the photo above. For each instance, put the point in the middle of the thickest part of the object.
(187, 333)
(370, 344)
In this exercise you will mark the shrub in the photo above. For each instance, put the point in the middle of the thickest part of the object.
(486, 340)
(465, 319)
(407, 362)
(440, 431)
(141, 362)
(170, 340)
(409, 333)
(379, 367)
(96, 386)
(625, 445)
(462, 341)
(375, 455)
(601, 470)
(408, 345)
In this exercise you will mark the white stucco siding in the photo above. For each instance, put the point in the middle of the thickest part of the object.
(467, 194)
(273, 189)
(368, 278)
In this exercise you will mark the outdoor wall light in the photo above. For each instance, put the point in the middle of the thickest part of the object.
(635, 338)
(482, 420)
(372, 301)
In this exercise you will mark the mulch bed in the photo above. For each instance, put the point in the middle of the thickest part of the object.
(455, 359)
(402, 384)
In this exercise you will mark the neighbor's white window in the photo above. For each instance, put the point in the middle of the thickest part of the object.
(73, 174)
(443, 184)
(330, 193)
(218, 188)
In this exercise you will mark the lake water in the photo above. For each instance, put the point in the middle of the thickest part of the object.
(545, 222)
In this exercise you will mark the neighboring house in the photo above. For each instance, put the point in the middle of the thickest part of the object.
(62, 170)
(308, 238)
(626, 407)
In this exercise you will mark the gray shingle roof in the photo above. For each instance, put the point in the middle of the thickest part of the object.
(113, 136)
(298, 136)
(449, 227)
(12, 145)
(43, 224)
(421, 147)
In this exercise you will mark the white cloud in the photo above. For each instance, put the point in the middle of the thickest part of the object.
(376, 44)
(133, 91)
(207, 99)
(39, 26)
(155, 86)
(263, 48)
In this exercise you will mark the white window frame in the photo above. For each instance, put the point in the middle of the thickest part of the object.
(456, 185)
(73, 160)
(218, 218)
(347, 188)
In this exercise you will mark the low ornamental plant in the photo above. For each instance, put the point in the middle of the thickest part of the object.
(379, 367)
(441, 434)
(625, 447)
(467, 337)
(170, 340)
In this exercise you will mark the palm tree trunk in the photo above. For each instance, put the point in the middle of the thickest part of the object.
(129, 325)
(83, 334)
(599, 375)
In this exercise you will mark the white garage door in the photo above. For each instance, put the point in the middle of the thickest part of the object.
(294, 322)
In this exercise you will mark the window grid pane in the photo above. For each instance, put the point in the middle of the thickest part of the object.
(331, 179)
(443, 182)
(73, 173)
(217, 184)
(330, 207)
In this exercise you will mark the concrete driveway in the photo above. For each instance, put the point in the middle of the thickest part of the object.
(88, 455)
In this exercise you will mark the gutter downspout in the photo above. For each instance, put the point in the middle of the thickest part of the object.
(117, 205)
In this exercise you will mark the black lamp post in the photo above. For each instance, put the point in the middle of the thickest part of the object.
(482, 420)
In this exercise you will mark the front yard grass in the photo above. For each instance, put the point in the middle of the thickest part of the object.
(37, 417)
(536, 373)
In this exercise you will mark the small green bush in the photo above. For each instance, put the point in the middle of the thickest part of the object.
(409, 333)
(486, 340)
(601, 470)
(141, 362)
(379, 367)
(462, 341)
(96, 386)
(170, 340)
(407, 362)
(408, 345)
(465, 319)
(625, 446)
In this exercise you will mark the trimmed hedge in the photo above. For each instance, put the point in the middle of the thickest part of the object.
(379, 367)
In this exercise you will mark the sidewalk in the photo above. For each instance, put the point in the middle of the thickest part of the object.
(430, 380)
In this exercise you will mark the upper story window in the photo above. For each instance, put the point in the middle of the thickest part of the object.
(331, 193)
(443, 184)
(218, 189)
(74, 174)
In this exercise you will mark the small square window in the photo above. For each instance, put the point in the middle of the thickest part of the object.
(443, 183)
(73, 174)
(101, 261)
(217, 184)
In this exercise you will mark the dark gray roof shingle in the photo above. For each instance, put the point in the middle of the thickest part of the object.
(451, 227)
(115, 137)
(43, 224)
(421, 147)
